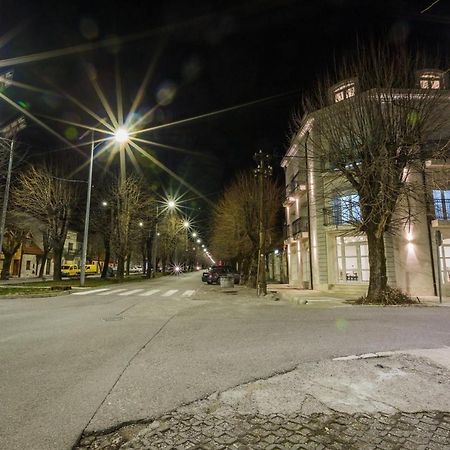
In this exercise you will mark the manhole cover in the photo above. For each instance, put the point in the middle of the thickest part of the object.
(113, 319)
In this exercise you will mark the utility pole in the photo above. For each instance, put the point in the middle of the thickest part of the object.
(9, 132)
(263, 170)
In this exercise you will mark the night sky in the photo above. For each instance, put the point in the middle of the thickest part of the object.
(212, 55)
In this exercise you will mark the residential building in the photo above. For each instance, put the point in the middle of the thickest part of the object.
(324, 251)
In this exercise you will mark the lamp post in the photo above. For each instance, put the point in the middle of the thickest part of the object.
(121, 137)
(9, 132)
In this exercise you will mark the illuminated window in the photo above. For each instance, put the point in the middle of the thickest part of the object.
(441, 200)
(352, 254)
(346, 209)
(430, 80)
(444, 255)
(344, 91)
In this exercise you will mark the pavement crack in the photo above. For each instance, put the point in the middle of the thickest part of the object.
(146, 343)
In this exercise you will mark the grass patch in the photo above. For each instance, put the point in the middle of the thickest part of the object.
(29, 291)
(89, 282)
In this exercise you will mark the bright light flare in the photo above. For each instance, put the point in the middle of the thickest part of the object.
(121, 135)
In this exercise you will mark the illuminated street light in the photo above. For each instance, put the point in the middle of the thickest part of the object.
(186, 224)
(141, 224)
(104, 203)
(198, 241)
(203, 245)
(171, 204)
(121, 135)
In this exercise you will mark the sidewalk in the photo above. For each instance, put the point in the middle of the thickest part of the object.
(381, 401)
(312, 297)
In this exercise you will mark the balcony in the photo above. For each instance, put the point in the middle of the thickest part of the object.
(441, 213)
(300, 228)
(338, 216)
(286, 232)
(293, 190)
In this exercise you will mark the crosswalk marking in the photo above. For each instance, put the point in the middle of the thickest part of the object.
(140, 292)
(187, 293)
(134, 291)
(148, 293)
(95, 291)
(115, 291)
(169, 293)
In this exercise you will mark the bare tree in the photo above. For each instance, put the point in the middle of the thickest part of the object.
(129, 199)
(375, 139)
(235, 223)
(44, 194)
(16, 232)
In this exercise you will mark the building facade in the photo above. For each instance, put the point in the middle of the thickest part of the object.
(323, 250)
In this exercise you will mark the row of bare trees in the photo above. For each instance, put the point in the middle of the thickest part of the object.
(235, 223)
(124, 221)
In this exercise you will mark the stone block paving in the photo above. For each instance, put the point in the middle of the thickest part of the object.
(412, 431)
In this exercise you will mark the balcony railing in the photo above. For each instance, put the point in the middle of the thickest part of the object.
(286, 231)
(348, 215)
(441, 209)
(299, 225)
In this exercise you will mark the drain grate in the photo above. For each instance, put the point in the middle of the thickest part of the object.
(230, 292)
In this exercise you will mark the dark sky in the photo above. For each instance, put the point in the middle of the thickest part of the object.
(213, 55)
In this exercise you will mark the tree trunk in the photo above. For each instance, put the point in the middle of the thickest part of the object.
(120, 267)
(57, 254)
(107, 244)
(252, 271)
(6, 264)
(377, 264)
(43, 264)
(149, 244)
(128, 263)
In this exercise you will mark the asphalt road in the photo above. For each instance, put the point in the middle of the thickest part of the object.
(107, 357)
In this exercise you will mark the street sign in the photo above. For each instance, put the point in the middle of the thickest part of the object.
(13, 128)
(6, 79)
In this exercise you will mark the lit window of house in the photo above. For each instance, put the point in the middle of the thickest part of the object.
(352, 259)
(430, 80)
(441, 201)
(343, 91)
(444, 255)
(346, 209)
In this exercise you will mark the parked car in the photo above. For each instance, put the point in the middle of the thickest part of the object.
(205, 276)
(218, 271)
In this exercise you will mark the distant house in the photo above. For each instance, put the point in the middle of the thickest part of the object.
(324, 253)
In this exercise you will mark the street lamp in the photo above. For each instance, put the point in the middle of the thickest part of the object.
(121, 136)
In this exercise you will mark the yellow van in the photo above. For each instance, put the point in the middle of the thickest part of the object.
(74, 270)
(71, 270)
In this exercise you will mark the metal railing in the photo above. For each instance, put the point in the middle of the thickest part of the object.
(342, 215)
(441, 209)
(299, 225)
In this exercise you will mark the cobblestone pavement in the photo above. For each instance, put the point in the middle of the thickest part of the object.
(412, 431)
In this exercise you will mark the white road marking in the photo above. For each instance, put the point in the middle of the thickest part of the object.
(148, 293)
(115, 291)
(134, 291)
(169, 293)
(95, 291)
(188, 293)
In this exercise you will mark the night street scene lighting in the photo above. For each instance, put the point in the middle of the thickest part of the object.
(210, 215)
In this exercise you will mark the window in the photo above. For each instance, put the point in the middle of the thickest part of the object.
(344, 91)
(352, 259)
(70, 248)
(441, 200)
(430, 80)
(28, 266)
(346, 209)
(444, 255)
(47, 267)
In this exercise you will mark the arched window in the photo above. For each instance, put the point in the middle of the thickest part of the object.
(343, 90)
(431, 79)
